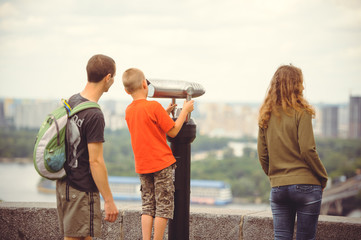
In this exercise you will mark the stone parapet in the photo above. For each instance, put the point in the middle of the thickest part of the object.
(39, 221)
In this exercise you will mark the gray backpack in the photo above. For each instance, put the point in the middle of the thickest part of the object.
(49, 151)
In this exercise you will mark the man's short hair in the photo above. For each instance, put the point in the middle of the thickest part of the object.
(100, 66)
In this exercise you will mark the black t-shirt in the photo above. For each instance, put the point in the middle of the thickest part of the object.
(85, 127)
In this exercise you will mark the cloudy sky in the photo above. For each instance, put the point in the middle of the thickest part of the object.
(231, 47)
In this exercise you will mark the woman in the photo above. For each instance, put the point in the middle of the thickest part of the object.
(287, 153)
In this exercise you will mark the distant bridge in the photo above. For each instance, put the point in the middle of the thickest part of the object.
(334, 198)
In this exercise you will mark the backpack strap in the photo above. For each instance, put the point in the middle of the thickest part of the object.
(80, 107)
(67, 106)
(73, 159)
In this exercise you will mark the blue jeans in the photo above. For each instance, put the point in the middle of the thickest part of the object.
(301, 199)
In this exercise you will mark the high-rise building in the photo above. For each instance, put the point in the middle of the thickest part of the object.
(31, 113)
(343, 116)
(355, 117)
(330, 121)
(2, 114)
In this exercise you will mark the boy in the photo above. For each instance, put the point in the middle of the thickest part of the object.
(148, 124)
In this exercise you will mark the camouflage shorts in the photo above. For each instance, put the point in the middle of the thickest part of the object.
(158, 193)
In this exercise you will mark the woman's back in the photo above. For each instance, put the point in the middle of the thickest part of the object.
(291, 147)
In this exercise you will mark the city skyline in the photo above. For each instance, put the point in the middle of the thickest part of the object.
(180, 101)
(232, 47)
(234, 120)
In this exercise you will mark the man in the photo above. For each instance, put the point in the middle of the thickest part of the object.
(78, 199)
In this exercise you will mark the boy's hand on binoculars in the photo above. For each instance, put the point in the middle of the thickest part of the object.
(188, 105)
(170, 107)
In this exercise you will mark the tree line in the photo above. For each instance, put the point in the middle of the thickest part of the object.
(341, 157)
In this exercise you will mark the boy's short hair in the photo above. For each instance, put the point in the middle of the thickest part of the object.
(100, 66)
(132, 79)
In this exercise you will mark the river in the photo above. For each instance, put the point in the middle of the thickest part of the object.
(18, 183)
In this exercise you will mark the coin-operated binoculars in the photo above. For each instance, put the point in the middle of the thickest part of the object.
(178, 228)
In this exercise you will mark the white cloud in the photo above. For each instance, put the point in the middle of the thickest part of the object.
(231, 47)
(7, 9)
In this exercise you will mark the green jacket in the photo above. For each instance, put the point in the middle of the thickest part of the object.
(287, 151)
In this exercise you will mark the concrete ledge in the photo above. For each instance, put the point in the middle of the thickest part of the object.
(40, 221)
(260, 226)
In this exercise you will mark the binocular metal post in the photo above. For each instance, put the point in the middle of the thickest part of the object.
(178, 228)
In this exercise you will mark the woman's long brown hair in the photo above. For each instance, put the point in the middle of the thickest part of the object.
(285, 91)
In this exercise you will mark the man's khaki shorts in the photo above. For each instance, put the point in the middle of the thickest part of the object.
(158, 193)
(78, 212)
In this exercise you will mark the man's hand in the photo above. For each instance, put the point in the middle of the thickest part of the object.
(111, 211)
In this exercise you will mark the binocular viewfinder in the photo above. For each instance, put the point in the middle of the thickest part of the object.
(174, 89)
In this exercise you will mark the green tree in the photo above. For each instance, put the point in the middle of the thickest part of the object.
(16, 143)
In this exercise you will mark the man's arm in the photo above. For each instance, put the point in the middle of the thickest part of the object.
(100, 176)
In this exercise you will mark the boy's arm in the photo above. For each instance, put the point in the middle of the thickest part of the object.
(100, 176)
(188, 107)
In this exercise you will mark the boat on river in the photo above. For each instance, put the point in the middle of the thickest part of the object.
(208, 192)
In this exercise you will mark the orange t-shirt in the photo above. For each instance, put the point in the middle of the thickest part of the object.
(148, 123)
